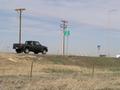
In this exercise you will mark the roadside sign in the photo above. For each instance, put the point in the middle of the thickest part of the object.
(66, 32)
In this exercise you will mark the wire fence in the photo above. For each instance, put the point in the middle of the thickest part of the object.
(30, 65)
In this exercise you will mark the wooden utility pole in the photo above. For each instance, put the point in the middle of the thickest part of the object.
(20, 10)
(63, 26)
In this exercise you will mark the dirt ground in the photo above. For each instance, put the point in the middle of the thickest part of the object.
(50, 74)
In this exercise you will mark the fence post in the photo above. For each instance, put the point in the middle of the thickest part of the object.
(93, 70)
(31, 70)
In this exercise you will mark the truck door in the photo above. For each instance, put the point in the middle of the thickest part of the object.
(37, 46)
(30, 45)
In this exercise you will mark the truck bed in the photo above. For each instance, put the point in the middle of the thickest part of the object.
(18, 46)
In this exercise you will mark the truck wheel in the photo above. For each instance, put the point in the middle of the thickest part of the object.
(44, 51)
(18, 51)
(26, 50)
(35, 52)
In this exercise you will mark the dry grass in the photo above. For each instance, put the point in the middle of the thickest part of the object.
(58, 73)
(60, 82)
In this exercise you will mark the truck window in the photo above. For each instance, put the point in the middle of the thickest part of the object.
(29, 43)
(36, 43)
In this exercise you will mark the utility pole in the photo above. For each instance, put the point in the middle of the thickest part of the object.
(109, 26)
(20, 10)
(67, 45)
(98, 49)
(63, 26)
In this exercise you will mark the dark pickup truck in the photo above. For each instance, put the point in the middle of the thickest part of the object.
(33, 46)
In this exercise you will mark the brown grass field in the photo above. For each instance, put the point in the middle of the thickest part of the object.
(51, 72)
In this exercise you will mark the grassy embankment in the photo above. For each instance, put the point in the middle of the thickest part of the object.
(58, 73)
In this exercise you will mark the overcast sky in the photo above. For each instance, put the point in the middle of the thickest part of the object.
(91, 23)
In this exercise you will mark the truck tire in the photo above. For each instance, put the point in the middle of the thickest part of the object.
(44, 51)
(18, 51)
(26, 51)
(35, 52)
